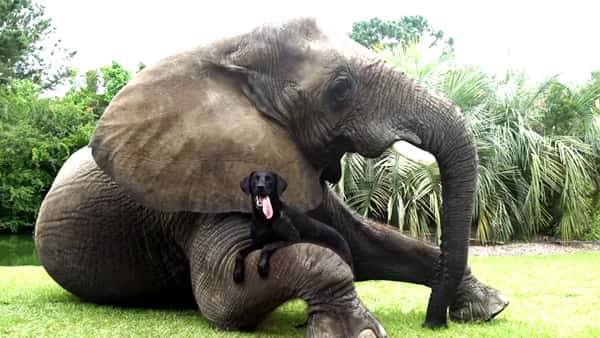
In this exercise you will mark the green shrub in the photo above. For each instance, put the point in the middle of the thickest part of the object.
(592, 233)
(36, 136)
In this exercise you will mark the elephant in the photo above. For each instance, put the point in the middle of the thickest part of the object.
(150, 212)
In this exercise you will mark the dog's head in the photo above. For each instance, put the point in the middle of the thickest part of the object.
(263, 187)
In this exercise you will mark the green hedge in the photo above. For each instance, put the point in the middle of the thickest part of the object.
(36, 136)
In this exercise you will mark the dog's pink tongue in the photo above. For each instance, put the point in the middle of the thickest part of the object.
(267, 208)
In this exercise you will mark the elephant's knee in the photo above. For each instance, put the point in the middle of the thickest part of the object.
(225, 311)
(314, 273)
(310, 272)
(232, 306)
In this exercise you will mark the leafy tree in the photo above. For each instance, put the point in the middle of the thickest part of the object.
(407, 30)
(561, 111)
(100, 86)
(36, 137)
(27, 43)
(569, 111)
(114, 78)
(38, 134)
(87, 96)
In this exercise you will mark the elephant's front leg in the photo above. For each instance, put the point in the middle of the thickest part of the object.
(383, 253)
(312, 273)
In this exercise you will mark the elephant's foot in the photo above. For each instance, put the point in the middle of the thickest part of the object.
(349, 321)
(476, 301)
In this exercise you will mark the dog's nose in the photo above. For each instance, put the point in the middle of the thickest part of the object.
(260, 188)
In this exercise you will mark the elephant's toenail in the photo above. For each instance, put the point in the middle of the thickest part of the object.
(368, 333)
(504, 299)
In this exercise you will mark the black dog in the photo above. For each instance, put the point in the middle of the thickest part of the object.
(275, 224)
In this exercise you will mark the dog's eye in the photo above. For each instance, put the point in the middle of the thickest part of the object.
(268, 178)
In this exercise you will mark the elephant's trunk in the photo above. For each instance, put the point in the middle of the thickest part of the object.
(442, 130)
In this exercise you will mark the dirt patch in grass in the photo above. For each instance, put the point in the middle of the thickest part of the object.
(543, 248)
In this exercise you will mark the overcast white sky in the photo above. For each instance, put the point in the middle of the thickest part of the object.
(544, 37)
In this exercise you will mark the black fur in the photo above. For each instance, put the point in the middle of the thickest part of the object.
(287, 226)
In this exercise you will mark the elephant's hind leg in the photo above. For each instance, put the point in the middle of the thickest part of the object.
(310, 272)
(103, 247)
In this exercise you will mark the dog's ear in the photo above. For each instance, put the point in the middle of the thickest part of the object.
(281, 184)
(245, 183)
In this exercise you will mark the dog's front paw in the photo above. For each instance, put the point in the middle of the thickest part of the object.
(238, 273)
(263, 268)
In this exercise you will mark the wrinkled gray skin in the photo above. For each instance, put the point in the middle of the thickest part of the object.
(99, 239)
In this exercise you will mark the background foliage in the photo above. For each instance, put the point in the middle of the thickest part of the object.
(408, 29)
(538, 147)
(28, 46)
(538, 143)
(38, 134)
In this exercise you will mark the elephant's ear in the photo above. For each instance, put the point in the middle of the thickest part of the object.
(181, 136)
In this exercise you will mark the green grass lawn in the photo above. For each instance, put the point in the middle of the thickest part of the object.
(551, 296)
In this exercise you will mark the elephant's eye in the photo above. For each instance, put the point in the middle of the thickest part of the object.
(341, 90)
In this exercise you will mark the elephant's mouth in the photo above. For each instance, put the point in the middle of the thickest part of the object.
(414, 153)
